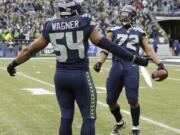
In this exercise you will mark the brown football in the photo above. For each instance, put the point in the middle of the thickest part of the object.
(159, 75)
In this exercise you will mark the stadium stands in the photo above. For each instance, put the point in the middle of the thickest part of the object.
(21, 20)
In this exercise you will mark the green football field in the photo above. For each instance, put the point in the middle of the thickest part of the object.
(28, 105)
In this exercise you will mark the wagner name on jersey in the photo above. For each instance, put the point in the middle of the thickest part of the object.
(69, 37)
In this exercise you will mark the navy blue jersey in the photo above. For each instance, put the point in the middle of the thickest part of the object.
(128, 39)
(69, 37)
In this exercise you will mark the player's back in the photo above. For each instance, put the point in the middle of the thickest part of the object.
(69, 37)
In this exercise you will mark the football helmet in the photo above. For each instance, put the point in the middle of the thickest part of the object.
(70, 7)
(127, 15)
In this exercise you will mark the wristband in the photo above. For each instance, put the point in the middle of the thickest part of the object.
(161, 65)
(14, 63)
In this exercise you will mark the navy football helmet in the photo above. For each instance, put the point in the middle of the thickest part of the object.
(127, 15)
(70, 7)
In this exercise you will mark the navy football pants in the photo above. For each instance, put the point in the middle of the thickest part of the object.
(123, 75)
(71, 86)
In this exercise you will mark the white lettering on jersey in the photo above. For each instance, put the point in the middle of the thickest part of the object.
(65, 25)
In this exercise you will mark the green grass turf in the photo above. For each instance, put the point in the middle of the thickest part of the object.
(24, 114)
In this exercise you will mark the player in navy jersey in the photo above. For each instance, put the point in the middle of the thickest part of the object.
(69, 36)
(125, 73)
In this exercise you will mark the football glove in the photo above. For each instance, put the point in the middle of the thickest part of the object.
(160, 74)
(161, 66)
(97, 66)
(143, 61)
(11, 68)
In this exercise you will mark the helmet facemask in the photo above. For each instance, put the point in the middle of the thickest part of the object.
(127, 15)
(70, 8)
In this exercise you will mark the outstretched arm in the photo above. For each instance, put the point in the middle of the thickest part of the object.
(26, 54)
(31, 49)
(104, 43)
(150, 52)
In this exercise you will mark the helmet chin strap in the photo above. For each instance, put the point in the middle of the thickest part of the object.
(65, 13)
(127, 26)
(125, 23)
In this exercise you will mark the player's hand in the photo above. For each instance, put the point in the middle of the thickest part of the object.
(143, 61)
(160, 74)
(11, 68)
(161, 66)
(97, 66)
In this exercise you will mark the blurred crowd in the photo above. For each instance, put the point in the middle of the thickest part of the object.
(21, 20)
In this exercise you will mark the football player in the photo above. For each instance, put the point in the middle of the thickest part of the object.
(69, 36)
(125, 73)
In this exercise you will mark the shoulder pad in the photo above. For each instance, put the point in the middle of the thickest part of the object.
(114, 28)
(47, 23)
(48, 20)
(139, 29)
(87, 16)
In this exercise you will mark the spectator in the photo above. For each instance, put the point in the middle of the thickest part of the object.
(155, 47)
(10, 49)
(1, 49)
(21, 16)
(8, 36)
(176, 47)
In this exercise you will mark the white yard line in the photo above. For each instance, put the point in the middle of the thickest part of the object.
(34, 79)
(105, 105)
(146, 119)
(174, 79)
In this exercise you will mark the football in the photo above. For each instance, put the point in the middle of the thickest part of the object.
(159, 75)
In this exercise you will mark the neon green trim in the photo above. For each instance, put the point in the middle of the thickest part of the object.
(134, 57)
(92, 96)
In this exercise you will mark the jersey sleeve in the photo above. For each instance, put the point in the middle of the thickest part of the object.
(109, 29)
(141, 31)
(92, 25)
(112, 29)
(91, 21)
(45, 30)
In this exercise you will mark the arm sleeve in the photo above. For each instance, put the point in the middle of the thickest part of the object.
(115, 49)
